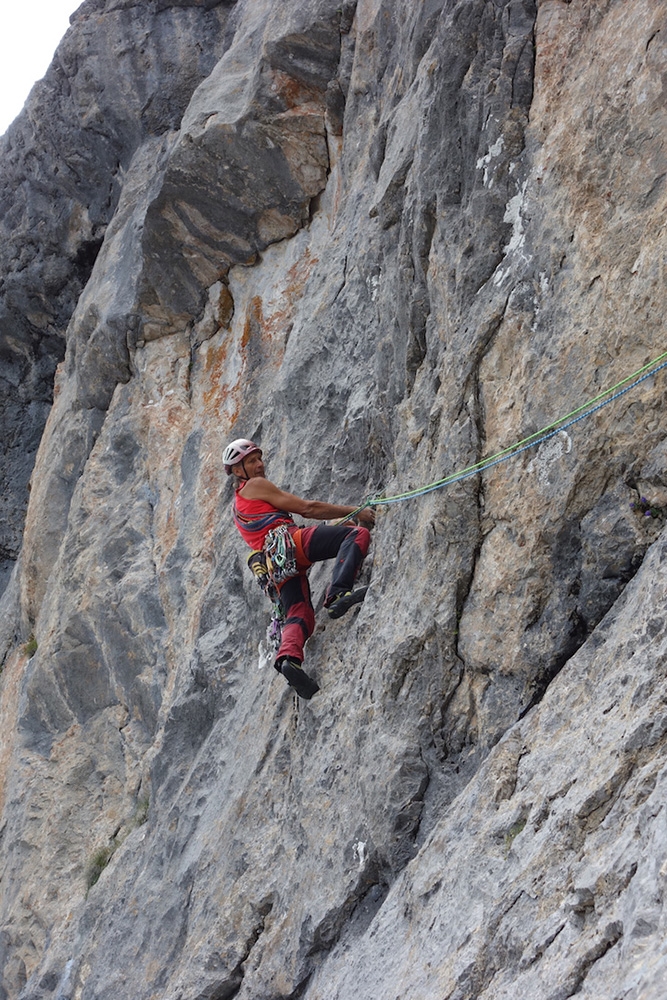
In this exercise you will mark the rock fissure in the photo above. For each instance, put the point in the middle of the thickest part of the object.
(233, 981)
(608, 939)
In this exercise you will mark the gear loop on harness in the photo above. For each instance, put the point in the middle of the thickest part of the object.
(281, 555)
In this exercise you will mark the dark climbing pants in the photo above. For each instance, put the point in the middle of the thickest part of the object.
(348, 544)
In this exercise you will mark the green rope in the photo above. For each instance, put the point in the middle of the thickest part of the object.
(353, 513)
(585, 410)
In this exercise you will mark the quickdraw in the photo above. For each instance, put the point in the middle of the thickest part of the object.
(274, 631)
(280, 552)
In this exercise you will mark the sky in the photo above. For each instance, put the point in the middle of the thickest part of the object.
(30, 31)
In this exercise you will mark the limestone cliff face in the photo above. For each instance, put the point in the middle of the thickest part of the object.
(123, 74)
(386, 239)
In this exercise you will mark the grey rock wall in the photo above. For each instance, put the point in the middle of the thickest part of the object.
(385, 239)
(123, 73)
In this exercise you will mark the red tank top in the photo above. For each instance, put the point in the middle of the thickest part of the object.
(255, 518)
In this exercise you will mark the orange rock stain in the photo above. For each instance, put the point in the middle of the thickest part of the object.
(294, 93)
(221, 396)
(229, 364)
(297, 276)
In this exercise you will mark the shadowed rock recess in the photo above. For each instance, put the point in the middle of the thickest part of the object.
(385, 238)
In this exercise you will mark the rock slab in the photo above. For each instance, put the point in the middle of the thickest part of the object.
(385, 239)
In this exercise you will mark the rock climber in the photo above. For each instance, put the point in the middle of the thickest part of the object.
(259, 507)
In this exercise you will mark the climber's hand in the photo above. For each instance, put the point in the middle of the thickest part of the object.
(366, 517)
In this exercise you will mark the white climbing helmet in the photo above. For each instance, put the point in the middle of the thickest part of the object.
(237, 451)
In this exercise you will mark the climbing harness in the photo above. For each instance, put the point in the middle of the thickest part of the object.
(532, 441)
(280, 552)
(258, 524)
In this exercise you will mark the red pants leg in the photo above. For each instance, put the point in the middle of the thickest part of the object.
(299, 617)
(347, 543)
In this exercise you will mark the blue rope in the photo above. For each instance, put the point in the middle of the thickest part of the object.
(378, 502)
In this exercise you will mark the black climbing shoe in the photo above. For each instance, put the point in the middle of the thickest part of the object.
(343, 602)
(297, 678)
